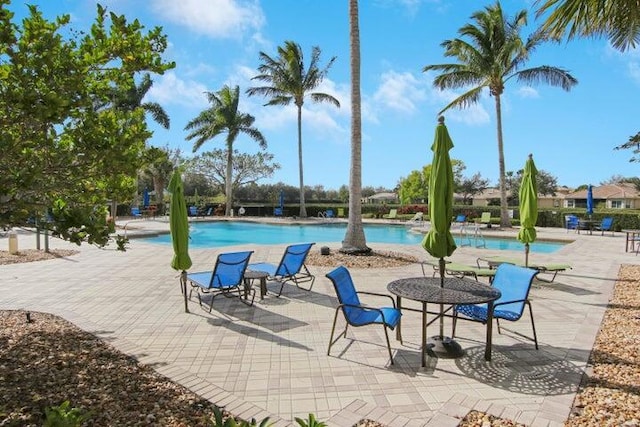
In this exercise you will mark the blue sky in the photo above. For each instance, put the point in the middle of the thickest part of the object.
(217, 42)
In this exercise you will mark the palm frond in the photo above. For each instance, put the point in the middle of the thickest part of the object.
(465, 100)
(552, 76)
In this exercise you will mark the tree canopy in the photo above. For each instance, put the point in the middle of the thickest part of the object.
(66, 149)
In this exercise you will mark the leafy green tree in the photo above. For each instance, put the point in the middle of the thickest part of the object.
(618, 20)
(247, 168)
(415, 188)
(491, 52)
(287, 81)
(63, 156)
(469, 187)
(223, 117)
(546, 184)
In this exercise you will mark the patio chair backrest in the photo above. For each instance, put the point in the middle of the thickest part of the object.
(293, 259)
(193, 211)
(346, 291)
(485, 217)
(571, 221)
(461, 218)
(514, 282)
(607, 223)
(229, 269)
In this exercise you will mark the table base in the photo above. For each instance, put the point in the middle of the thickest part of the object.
(444, 347)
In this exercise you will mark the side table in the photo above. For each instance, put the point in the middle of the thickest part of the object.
(251, 275)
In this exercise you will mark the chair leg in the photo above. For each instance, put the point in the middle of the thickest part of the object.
(386, 334)
(533, 325)
(333, 329)
(453, 323)
(498, 324)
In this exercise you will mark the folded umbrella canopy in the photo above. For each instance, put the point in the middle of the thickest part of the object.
(528, 196)
(179, 226)
(145, 198)
(590, 200)
(439, 241)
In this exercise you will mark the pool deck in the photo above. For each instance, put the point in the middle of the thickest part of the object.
(271, 359)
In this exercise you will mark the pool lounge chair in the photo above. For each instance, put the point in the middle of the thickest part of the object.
(485, 219)
(225, 278)
(291, 267)
(393, 214)
(548, 268)
(457, 269)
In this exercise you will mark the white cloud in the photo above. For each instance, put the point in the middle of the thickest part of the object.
(169, 89)
(473, 115)
(528, 92)
(213, 18)
(400, 92)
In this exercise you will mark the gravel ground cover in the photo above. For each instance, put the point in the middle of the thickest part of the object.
(47, 360)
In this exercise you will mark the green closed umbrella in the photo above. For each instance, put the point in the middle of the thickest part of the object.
(179, 226)
(528, 196)
(439, 241)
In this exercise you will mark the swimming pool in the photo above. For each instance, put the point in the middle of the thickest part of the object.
(228, 233)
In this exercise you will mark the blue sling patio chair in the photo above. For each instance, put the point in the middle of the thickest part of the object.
(291, 267)
(514, 283)
(606, 225)
(225, 279)
(356, 313)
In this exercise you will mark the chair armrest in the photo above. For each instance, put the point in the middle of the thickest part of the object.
(379, 295)
(363, 307)
(509, 302)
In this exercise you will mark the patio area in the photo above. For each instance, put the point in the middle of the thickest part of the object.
(270, 359)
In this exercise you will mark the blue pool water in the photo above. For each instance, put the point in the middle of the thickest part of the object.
(228, 233)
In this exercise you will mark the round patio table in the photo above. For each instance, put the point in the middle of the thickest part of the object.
(455, 290)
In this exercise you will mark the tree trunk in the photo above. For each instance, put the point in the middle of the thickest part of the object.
(354, 239)
(228, 187)
(505, 221)
(303, 208)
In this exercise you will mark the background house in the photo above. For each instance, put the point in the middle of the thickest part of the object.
(380, 198)
(612, 196)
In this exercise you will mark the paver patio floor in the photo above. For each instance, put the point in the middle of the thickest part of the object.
(271, 359)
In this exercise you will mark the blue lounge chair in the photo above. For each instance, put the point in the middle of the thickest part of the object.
(291, 267)
(225, 278)
(135, 212)
(514, 283)
(357, 314)
(193, 211)
(606, 225)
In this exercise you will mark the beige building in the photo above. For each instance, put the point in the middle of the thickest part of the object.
(613, 196)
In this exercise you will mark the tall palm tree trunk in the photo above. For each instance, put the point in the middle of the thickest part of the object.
(228, 188)
(354, 240)
(504, 214)
(303, 208)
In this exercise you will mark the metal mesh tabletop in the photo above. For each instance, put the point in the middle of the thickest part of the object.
(455, 291)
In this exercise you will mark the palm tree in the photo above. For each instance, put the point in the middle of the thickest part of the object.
(159, 166)
(223, 116)
(618, 20)
(494, 54)
(354, 239)
(132, 98)
(288, 82)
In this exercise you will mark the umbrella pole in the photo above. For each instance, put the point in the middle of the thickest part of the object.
(441, 264)
(183, 285)
(526, 255)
